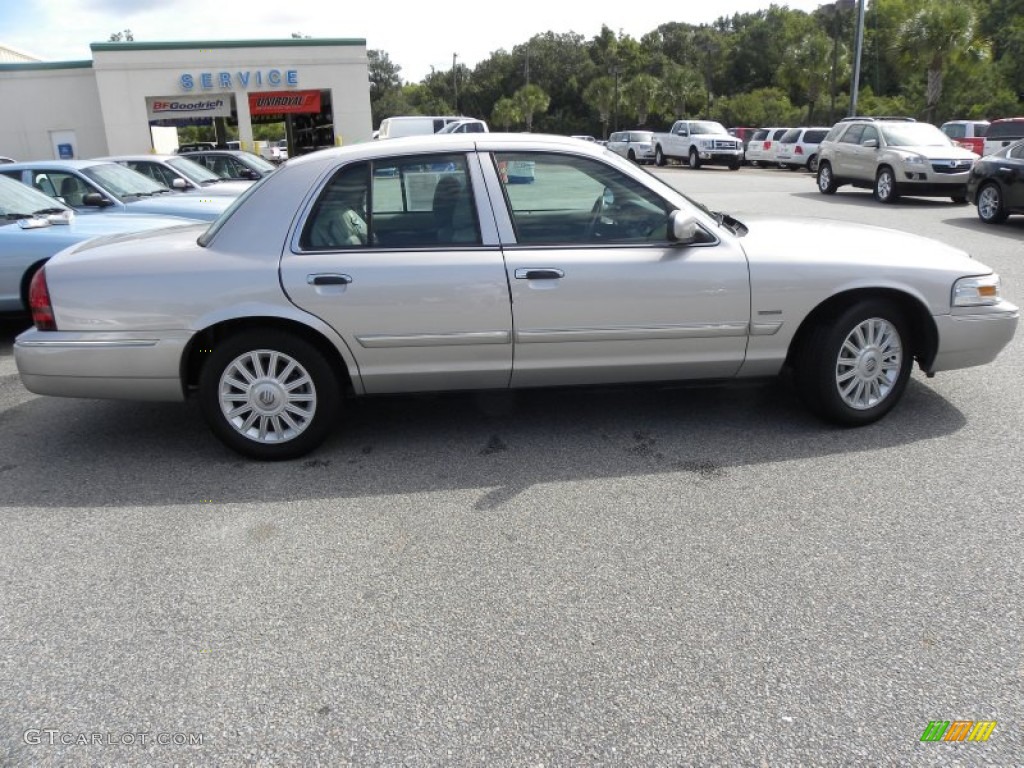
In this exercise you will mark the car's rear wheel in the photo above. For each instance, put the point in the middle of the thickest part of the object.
(694, 160)
(659, 156)
(631, 156)
(826, 181)
(853, 370)
(885, 186)
(269, 394)
(812, 164)
(990, 204)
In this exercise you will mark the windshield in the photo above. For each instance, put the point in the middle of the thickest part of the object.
(122, 182)
(707, 126)
(192, 170)
(641, 136)
(17, 199)
(914, 135)
(257, 162)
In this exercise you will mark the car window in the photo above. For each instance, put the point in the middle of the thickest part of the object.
(955, 131)
(1017, 151)
(870, 134)
(193, 170)
(155, 171)
(759, 136)
(815, 137)
(121, 181)
(576, 200)
(779, 134)
(852, 136)
(406, 203)
(791, 136)
(980, 129)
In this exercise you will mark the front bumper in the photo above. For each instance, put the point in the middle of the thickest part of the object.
(720, 156)
(974, 337)
(120, 366)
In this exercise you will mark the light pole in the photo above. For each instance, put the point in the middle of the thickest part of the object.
(856, 67)
(835, 8)
(455, 81)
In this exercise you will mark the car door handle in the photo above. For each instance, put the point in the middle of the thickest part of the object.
(332, 279)
(548, 273)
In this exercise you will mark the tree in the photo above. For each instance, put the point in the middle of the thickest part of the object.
(531, 100)
(935, 34)
(118, 37)
(641, 94)
(600, 96)
(385, 85)
(680, 86)
(505, 113)
(806, 69)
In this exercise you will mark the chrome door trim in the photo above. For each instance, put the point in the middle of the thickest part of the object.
(632, 333)
(434, 339)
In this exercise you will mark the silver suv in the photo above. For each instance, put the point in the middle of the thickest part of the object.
(893, 157)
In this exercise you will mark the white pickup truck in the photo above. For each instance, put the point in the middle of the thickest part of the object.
(698, 142)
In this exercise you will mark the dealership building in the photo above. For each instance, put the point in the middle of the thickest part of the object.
(319, 88)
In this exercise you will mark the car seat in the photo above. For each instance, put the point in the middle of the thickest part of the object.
(73, 191)
(453, 212)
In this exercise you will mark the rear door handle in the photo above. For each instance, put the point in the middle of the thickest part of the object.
(547, 273)
(328, 279)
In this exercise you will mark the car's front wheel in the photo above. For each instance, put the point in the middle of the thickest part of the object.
(826, 181)
(694, 160)
(269, 394)
(885, 186)
(990, 204)
(853, 370)
(631, 156)
(812, 164)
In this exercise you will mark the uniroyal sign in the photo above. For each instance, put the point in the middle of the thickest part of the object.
(284, 102)
(164, 107)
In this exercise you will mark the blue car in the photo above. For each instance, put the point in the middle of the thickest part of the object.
(89, 186)
(34, 227)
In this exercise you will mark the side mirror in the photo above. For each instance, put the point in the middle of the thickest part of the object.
(95, 200)
(682, 229)
(871, 143)
(179, 184)
(248, 173)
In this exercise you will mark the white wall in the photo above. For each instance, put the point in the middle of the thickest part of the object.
(38, 101)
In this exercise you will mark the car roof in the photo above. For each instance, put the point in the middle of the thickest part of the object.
(28, 165)
(139, 158)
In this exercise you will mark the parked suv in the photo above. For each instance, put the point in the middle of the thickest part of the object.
(798, 148)
(637, 146)
(1003, 133)
(893, 157)
(763, 144)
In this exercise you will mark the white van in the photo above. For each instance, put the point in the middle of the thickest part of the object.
(413, 125)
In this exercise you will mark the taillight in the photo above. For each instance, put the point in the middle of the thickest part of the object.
(39, 302)
(799, 149)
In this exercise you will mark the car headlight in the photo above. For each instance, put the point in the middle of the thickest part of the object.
(913, 160)
(976, 291)
(706, 143)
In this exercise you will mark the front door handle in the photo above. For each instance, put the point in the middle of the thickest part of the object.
(533, 273)
(329, 279)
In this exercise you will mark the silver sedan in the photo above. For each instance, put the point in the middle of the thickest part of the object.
(421, 264)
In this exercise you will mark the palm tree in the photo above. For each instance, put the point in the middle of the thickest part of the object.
(806, 69)
(941, 31)
(600, 96)
(679, 86)
(640, 93)
(505, 113)
(531, 99)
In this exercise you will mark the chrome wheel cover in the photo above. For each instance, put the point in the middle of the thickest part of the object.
(824, 177)
(884, 185)
(869, 363)
(988, 203)
(267, 396)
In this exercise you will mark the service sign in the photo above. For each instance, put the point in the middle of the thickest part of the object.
(177, 107)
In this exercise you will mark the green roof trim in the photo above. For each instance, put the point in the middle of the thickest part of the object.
(194, 44)
(28, 66)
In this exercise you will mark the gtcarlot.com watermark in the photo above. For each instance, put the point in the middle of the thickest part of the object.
(53, 737)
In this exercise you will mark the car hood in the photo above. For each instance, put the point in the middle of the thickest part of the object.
(841, 243)
(192, 206)
(938, 152)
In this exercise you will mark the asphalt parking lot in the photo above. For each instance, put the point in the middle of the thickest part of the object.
(645, 576)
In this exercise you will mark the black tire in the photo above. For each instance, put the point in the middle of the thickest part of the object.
(694, 160)
(812, 164)
(990, 204)
(875, 365)
(826, 181)
(631, 156)
(885, 189)
(309, 421)
(735, 166)
(959, 199)
(659, 156)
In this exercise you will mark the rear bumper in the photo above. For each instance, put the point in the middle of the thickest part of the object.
(974, 339)
(121, 366)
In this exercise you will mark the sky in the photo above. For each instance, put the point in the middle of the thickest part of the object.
(417, 35)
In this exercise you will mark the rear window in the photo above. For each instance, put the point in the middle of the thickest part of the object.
(790, 136)
(815, 136)
(980, 129)
(759, 136)
(1011, 129)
